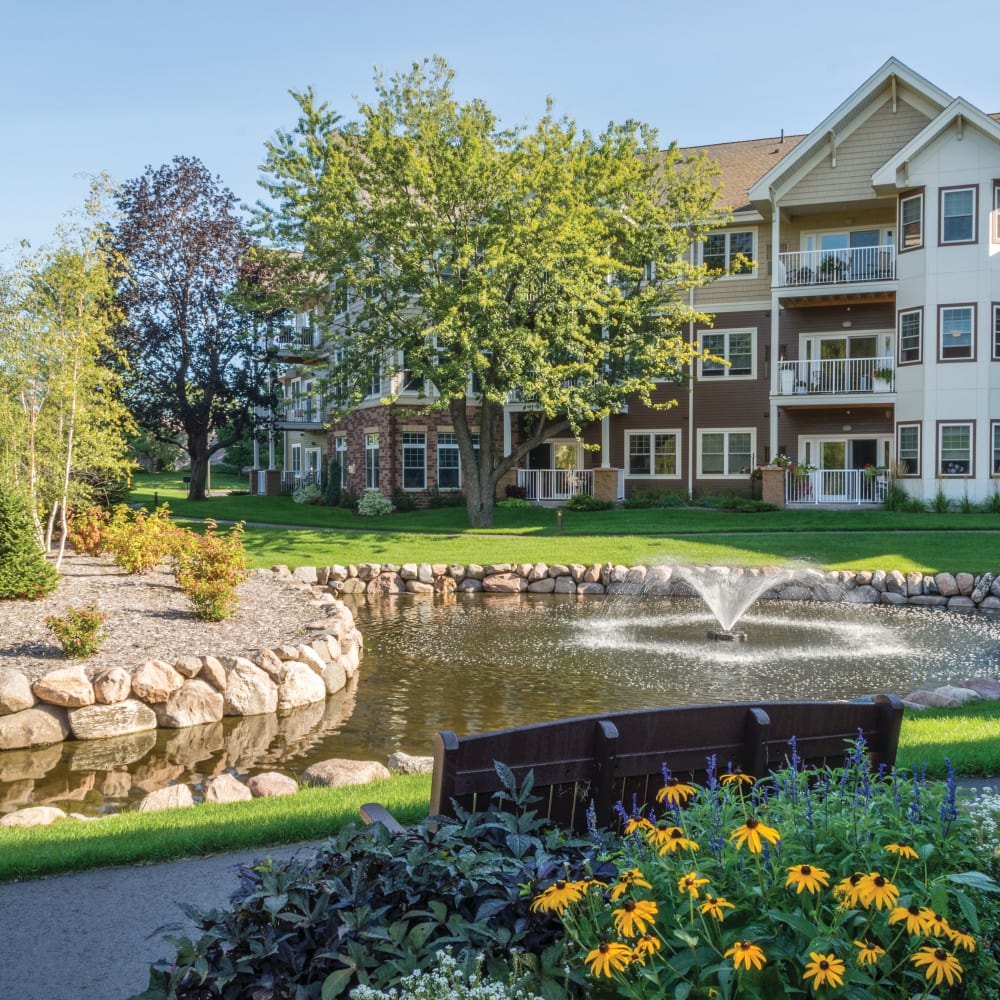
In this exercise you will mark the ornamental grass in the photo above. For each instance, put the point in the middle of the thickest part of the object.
(827, 882)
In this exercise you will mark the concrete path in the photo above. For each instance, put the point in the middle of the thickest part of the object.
(93, 935)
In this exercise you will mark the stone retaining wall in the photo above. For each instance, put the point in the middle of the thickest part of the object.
(70, 703)
(954, 591)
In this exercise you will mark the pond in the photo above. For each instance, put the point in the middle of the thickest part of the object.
(480, 662)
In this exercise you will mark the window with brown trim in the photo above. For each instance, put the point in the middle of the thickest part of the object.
(957, 214)
(995, 448)
(911, 336)
(911, 221)
(957, 333)
(908, 449)
(956, 448)
(996, 331)
(995, 227)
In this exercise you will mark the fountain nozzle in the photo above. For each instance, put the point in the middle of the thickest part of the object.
(725, 635)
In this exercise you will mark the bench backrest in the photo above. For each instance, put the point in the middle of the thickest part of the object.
(620, 756)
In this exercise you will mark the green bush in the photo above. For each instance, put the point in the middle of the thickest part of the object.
(24, 571)
(645, 499)
(373, 504)
(87, 530)
(514, 503)
(939, 503)
(79, 630)
(331, 495)
(210, 567)
(445, 498)
(584, 501)
(403, 501)
(139, 541)
(991, 505)
(310, 493)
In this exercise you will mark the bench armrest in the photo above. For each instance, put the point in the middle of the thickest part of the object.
(375, 812)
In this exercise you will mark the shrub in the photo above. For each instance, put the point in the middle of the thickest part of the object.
(514, 503)
(403, 501)
(373, 504)
(746, 505)
(939, 503)
(87, 531)
(209, 569)
(310, 493)
(331, 495)
(967, 505)
(139, 541)
(372, 907)
(79, 630)
(515, 492)
(348, 499)
(991, 505)
(24, 571)
(896, 498)
(643, 499)
(445, 498)
(584, 501)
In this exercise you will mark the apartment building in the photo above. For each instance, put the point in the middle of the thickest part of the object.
(858, 310)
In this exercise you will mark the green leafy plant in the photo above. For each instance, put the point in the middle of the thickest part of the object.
(331, 494)
(139, 541)
(403, 501)
(939, 503)
(991, 505)
(79, 630)
(373, 504)
(209, 569)
(87, 531)
(585, 502)
(310, 493)
(644, 499)
(445, 498)
(24, 571)
(514, 503)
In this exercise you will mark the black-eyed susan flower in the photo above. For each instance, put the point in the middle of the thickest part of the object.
(714, 906)
(746, 953)
(807, 877)
(869, 951)
(626, 881)
(848, 890)
(901, 848)
(962, 939)
(915, 917)
(676, 792)
(878, 891)
(639, 823)
(752, 833)
(939, 963)
(558, 896)
(690, 884)
(668, 839)
(737, 778)
(633, 916)
(646, 945)
(824, 970)
(609, 957)
(937, 925)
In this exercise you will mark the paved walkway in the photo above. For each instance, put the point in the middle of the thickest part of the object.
(94, 935)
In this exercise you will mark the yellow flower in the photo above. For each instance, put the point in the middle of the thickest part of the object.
(676, 792)
(633, 915)
(752, 832)
(915, 917)
(869, 952)
(667, 839)
(611, 956)
(737, 778)
(714, 905)
(626, 881)
(939, 964)
(558, 896)
(689, 884)
(937, 925)
(962, 939)
(641, 823)
(902, 849)
(824, 969)
(746, 953)
(807, 877)
(849, 889)
(877, 889)
(646, 945)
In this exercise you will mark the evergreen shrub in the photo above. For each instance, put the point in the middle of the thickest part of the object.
(25, 574)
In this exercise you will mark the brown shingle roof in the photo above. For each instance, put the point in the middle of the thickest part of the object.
(743, 163)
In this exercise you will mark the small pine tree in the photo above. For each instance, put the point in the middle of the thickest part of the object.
(24, 570)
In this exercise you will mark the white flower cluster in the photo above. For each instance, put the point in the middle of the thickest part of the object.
(373, 504)
(445, 983)
(310, 493)
(985, 810)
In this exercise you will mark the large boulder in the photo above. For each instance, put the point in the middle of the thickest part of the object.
(338, 772)
(155, 680)
(33, 816)
(15, 691)
(334, 677)
(67, 687)
(193, 704)
(404, 763)
(504, 583)
(171, 797)
(271, 784)
(249, 690)
(300, 685)
(226, 788)
(97, 722)
(112, 685)
(213, 671)
(33, 727)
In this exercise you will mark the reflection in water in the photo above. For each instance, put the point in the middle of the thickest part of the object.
(474, 663)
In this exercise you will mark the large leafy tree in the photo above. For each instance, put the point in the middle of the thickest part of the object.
(191, 344)
(546, 264)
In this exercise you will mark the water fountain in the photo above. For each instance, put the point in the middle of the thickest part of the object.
(729, 594)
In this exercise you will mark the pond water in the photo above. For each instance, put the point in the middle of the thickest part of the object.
(480, 662)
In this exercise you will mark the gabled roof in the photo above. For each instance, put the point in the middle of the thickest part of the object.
(891, 71)
(959, 113)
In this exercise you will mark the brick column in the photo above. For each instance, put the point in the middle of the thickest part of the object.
(606, 484)
(773, 485)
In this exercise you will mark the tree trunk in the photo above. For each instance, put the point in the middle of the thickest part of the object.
(479, 503)
(198, 450)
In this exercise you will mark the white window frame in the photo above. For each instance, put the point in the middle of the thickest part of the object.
(449, 446)
(970, 426)
(900, 350)
(973, 236)
(903, 453)
(995, 331)
(966, 307)
(726, 432)
(410, 443)
(918, 197)
(651, 436)
(296, 458)
(340, 455)
(994, 449)
(723, 372)
(729, 254)
(372, 470)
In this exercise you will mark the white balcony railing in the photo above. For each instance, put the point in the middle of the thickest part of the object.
(855, 486)
(836, 376)
(836, 267)
(292, 479)
(555, 484)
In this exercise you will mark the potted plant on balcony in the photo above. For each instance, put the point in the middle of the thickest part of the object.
(881, 380)
(832, 268)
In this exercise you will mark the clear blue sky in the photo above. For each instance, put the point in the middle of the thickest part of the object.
(114, 86)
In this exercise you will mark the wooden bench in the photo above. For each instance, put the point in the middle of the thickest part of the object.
(619, 757)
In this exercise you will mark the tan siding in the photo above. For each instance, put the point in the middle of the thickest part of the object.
(858, 155)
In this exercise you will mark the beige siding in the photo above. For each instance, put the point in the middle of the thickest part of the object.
(858, 155)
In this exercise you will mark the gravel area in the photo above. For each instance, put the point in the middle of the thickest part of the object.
(149, 617)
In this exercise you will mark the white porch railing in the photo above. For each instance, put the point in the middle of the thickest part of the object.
(836, 267)
(292, 480)
(835, 486)
(555, 484)
(836, 376)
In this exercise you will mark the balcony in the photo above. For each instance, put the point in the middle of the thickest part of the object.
(546, 485)
(836, 267)
(837, 486)
(836, 377)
